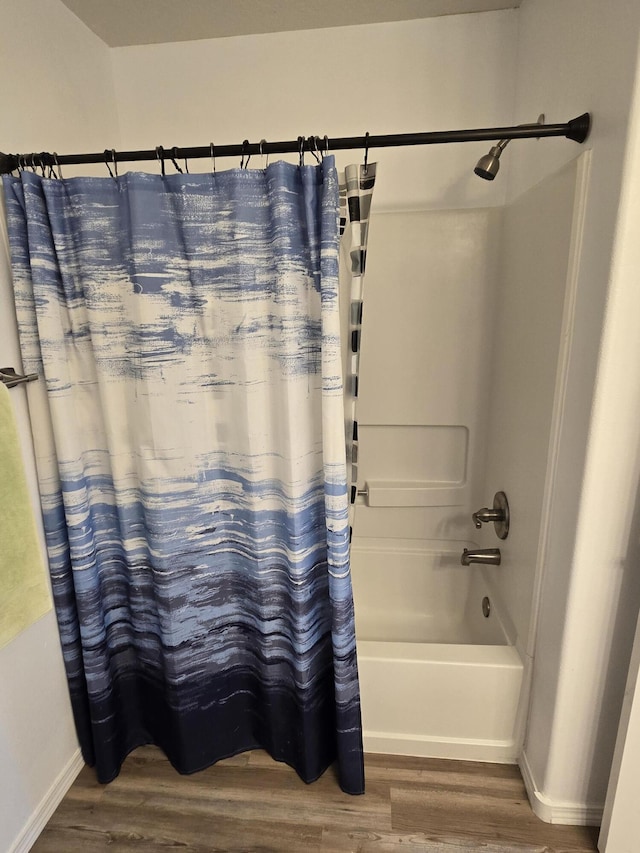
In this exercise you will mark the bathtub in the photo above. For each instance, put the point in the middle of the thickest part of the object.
(438, 678)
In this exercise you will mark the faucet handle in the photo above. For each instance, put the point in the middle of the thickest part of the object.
(485, 515)
(499, 515)
(478, 517)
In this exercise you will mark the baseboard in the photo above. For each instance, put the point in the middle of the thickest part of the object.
(459, 749)
(48, 805)
(554, 811)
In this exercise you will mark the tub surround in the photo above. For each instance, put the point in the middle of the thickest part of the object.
(438, 678)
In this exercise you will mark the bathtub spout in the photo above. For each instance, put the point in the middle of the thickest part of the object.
(488, 556)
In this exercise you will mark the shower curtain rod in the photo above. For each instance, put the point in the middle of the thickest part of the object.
(577, 129)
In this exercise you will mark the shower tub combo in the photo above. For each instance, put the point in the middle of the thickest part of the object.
(439, 674)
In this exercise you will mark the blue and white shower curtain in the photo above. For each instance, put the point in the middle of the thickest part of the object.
(191, 460)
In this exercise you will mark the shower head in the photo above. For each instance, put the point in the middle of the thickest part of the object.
(488, 165)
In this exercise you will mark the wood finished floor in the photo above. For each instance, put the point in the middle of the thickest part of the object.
(252, 803)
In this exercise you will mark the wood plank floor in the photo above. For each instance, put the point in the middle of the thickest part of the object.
(252, 803)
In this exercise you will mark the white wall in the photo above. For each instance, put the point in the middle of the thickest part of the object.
(425, 371)
(529, 308)
(618, 410)
(574, 56)
(56, 96)
(437, 74)
(620, 831)
(57, 88)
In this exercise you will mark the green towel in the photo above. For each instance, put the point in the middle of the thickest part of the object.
(24, 591)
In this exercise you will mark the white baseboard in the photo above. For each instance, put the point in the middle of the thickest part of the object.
(492, 751)
(558, 811)
(48, 805)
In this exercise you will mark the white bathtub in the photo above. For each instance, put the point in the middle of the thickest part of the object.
(437, 678)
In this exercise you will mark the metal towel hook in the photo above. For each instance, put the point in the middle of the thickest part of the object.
(10, 378)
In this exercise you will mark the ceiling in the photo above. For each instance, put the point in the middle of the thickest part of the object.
(129, 22)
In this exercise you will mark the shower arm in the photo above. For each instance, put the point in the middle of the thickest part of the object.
(576, 129)
(502, 144)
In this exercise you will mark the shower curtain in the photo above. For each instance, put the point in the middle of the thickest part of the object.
(356, 193)
(191, 460)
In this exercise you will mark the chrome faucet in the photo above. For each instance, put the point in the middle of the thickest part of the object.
(499, 515)
(488, 556)
(485, 515)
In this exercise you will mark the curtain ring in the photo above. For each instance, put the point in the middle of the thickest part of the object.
(33, 163)
(41, 164)
(46, 160)
(55, 160)
(212, 148)
(301, 142)
(263, 142)
(314, 150)
(108, 154)
(326, 144)
(366, 152)
(173, 158)
(245, 145)
(160, 156)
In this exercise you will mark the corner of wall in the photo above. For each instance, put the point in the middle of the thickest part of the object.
(557, 811)
(47, 806)
(576, 692)
(44, 49)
